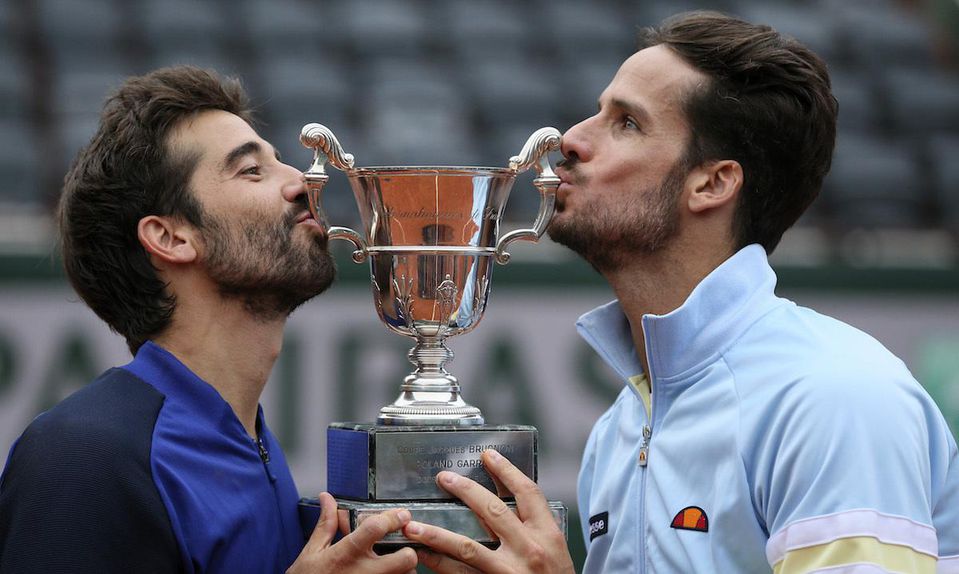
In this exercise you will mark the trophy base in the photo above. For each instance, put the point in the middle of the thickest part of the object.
(372, 468)
(376, 463)
(453, 516)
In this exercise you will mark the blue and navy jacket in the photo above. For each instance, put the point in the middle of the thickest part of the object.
(147, 469)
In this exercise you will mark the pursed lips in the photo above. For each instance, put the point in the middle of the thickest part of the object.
(567, 175)
(306, 218)
(563, 190)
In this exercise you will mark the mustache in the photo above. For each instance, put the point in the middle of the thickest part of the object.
(300, 204)
(567, 163)
(570, 165)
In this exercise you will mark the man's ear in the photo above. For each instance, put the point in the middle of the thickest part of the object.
(168, 239)
(715, 185)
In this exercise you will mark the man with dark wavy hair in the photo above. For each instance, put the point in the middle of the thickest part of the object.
(752, 435)
(182, 230)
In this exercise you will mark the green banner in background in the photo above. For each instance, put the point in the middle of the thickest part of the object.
(937, 368)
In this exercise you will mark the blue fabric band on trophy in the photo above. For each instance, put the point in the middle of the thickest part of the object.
(348, 463)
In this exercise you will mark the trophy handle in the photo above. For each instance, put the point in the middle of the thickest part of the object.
(325, 148)
(535, 154)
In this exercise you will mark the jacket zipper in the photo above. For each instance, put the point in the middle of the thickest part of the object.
(643, 462)
(644, 448)
(261, 448)
(265, 459)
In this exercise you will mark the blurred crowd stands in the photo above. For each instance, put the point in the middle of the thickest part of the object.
(410, 82)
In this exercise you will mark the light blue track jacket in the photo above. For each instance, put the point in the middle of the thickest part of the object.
(780, 440)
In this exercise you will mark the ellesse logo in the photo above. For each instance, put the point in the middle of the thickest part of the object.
(691, 518)
(598, 525)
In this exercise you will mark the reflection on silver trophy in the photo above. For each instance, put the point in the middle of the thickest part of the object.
(431, 235)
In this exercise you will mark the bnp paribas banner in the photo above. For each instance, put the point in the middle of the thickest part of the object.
(523, 364)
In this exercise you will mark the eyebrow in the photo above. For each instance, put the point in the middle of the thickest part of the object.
(632, 109)
(231, 159)
(237, 153)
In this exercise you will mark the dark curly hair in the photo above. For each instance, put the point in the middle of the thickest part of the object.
(769, 106)
(129, 171)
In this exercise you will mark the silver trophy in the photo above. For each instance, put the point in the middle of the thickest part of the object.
(431, 235)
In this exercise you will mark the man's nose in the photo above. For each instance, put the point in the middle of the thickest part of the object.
(576, 142)
(295, 185)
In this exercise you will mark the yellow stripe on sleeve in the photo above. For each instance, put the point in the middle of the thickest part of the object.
(856, 550)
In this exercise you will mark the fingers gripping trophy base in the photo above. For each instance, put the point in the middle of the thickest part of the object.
(376, 463)
(373, 468)
(452, 516)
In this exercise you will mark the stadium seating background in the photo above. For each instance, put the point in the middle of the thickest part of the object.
(466, 81)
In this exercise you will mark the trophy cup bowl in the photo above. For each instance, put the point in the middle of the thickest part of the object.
(431, 235)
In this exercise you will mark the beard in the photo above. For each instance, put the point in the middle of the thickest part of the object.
(610, 236)
(261, 266)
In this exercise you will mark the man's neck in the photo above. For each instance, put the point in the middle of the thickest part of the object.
(229, 349)
(658, 284)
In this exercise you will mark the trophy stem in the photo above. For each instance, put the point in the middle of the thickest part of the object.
(430, 395)
(429, 356)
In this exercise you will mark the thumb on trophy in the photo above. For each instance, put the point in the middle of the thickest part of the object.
(330, 521)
